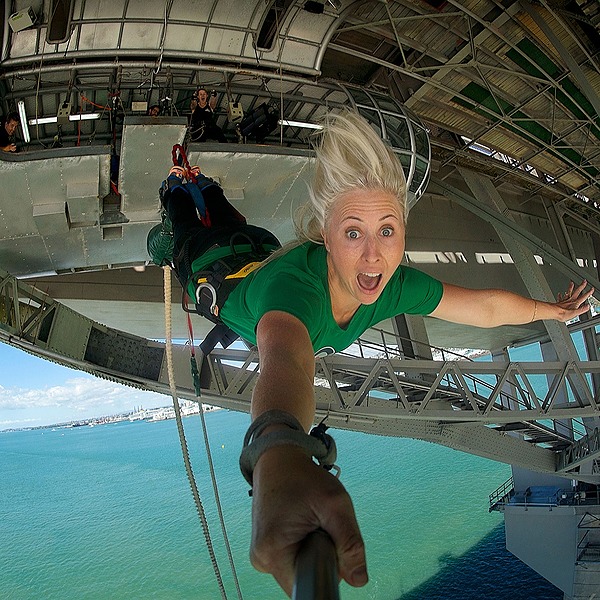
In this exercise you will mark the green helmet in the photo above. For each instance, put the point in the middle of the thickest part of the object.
(160, 244)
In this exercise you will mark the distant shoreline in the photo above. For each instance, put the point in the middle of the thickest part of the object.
(163, 413)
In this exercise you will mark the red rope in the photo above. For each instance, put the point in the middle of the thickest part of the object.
(96, 105)
(184, 162)
(188, 173)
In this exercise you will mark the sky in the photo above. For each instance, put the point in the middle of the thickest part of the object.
(35, 392)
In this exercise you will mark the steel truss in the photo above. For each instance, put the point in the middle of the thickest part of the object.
(491, 409)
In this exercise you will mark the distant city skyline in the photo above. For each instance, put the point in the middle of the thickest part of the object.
(35, 392)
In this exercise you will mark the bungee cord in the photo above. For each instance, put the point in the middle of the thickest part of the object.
(184, 447)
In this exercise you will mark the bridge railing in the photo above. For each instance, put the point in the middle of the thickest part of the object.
(501, 494)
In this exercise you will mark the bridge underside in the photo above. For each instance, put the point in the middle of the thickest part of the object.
(476, 407)
(88, 252)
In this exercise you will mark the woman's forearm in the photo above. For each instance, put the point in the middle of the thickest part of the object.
(493, 307)
(287, 368)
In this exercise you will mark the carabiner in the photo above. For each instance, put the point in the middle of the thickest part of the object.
(214, 309)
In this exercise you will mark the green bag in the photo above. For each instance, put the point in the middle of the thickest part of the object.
(160, 243)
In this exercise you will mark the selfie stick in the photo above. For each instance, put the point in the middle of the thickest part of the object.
(316, 575)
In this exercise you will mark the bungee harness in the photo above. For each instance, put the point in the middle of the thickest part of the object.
(222, 267)
(214, 283)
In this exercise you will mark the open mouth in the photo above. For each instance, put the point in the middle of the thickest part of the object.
(368, 281)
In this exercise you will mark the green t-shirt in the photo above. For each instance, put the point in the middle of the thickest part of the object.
(296, 283)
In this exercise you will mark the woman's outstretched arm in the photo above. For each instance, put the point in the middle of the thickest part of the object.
(292, 495)
(491, 308)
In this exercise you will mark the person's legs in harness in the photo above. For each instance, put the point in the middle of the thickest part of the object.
(202, 218)
(198, 215)
(221, 212)
(194, 207)
(180, 208)
(191, 237)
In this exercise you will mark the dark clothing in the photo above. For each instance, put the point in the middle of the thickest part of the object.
(5, 139)
(203, 125)
(192, 239)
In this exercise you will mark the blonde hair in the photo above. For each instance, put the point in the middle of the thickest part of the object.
(350, 155)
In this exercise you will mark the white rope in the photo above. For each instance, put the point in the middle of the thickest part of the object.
(218, 501)
(182, 440)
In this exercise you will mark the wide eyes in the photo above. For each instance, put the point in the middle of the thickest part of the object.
(354, 234)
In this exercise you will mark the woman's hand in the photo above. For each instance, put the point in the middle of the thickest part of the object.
(574, 301)
(292, 496)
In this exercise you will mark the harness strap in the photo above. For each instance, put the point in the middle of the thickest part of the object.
(211, 294)
(182, 161)
(219, 334)
(214, 282)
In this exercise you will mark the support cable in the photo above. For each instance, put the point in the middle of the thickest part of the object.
(196, 377)
(182, 440)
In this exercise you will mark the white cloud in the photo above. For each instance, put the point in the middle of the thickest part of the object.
(19, 422)
(79, 394)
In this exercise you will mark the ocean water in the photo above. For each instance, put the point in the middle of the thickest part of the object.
(106, 513)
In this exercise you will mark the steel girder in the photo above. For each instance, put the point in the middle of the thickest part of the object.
(490, 409)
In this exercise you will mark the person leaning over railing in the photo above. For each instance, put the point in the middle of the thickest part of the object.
(154, 111)
(317, 296)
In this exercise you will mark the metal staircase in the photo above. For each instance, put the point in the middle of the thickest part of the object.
(588, 545)
(500, 497)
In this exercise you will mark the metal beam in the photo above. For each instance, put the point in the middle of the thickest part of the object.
(460, 56)
(387, 396)
(524, 261)
(412, 336)
(501, 222)
(590, 93)
(582, 451)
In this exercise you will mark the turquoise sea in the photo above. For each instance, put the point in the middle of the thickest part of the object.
(106, 513)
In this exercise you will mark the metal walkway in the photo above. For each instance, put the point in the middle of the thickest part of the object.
(490, 409)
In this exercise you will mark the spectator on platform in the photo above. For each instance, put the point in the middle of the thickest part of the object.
(8, 128)
(203, 123)
(154, 111)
